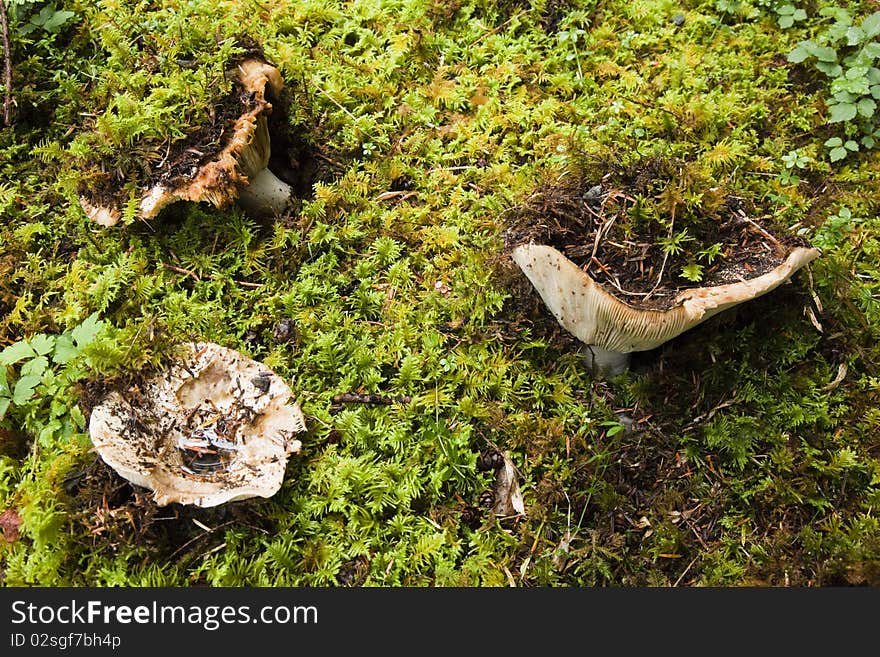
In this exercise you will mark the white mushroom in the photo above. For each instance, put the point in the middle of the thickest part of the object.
(239, 172)
(214, 427)
(612, 329)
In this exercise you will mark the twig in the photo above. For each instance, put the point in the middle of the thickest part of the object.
(663, 264)
(744, 217)
(179, 270)
(356, 398)
(496, 29)
(335, 102)
(685, 571)
(187, 272)
(604, 228)
(7, 60)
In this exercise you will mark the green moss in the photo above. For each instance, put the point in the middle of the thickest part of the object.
(427, 125)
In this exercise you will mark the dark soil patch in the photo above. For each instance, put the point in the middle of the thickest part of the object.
(118, 515)
(614, 226)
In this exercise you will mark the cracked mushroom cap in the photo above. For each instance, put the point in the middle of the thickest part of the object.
(219, 180)
(214, 427)
(596, 317)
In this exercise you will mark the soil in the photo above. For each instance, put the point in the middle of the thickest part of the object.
(594, 222)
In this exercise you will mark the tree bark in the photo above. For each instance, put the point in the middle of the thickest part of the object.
(7, 61)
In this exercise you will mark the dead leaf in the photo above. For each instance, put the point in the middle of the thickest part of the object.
(841, 374)
(508, 498)
(10, 521)
(560, 555)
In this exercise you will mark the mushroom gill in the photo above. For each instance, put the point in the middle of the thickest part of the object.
(612, 329)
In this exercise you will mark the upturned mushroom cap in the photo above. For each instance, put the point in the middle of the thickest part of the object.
(215, 427)
(596, 317)
(220, 180)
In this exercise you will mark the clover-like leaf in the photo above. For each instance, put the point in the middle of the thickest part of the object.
(65, 350)
(871, 25)
(837, 154)
(823, 53)
(24, 389)
(867, 107)
(854, 35)
(42, 343)
(15, 352)
(799, 53)
(842, 112)
(87, 331)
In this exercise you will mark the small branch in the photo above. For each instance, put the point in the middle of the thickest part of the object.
(355, 398)
(179, 270)
(195, 276)
(7, 60)
(663, 264)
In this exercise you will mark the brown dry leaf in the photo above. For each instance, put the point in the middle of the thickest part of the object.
(508, 498)
(10, 521)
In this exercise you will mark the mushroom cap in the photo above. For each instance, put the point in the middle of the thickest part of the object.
(596, 317)
(218, 181)
(215, 427)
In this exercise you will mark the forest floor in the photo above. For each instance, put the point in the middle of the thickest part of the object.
(662, 145)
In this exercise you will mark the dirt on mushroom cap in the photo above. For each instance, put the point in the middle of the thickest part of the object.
(215, 427)
(594, 221)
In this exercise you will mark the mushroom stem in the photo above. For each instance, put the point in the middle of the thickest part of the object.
(266, 195)
(604, 362)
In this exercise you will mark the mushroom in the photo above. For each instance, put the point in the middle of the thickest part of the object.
(612, 329)
(214, 427)
(238, 172)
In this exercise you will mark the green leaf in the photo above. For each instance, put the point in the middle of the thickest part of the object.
(57, 19)
(867, 107)
(854, 36)
(850, 145)
(24, 388)
(868, 141)
(871, 25)
(799, 54)
(837, 154)
(834, 142)
(78, 418)
(42, 343)
(824, 53)
(842, 112)
(87, 331)
(831, 69)
(15, 352)
(35, 367)
(65, 350)
(4, 406)
(785, 21)
(856, 72)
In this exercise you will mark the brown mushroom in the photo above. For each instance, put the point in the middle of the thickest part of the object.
(612, 329)
(238, 172)
(214, 427)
